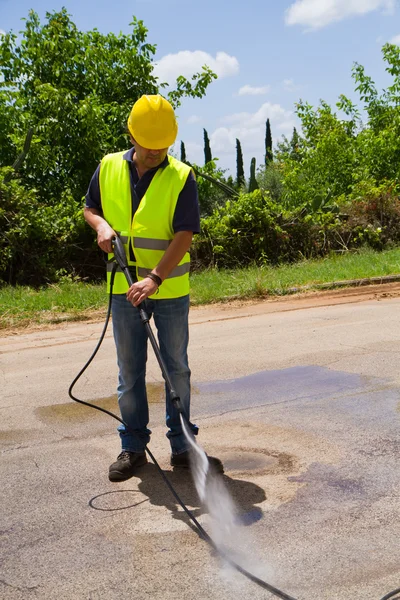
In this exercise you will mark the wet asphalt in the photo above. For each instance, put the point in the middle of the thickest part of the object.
(301, 403)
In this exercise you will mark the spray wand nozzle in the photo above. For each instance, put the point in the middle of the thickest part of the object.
(176, 401)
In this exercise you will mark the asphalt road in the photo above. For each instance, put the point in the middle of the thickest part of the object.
(299, 398)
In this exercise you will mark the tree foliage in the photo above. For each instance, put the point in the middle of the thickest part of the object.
(75, 89)
(337, 152)
(333, 186)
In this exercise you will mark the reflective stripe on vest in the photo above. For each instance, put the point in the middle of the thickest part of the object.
(142, 272)
(148, 237)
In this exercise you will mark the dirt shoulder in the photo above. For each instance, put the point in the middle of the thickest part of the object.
(298, 301)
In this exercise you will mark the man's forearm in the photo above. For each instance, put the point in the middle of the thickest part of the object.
(93, 218)
(105, 233)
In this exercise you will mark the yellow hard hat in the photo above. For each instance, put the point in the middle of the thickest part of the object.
(152, 123)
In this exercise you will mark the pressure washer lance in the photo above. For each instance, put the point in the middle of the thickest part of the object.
(120, 258)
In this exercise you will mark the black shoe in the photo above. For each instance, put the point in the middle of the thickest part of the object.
(182, 461)
(126, 465)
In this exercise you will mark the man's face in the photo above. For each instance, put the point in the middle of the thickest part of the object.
(149, 159)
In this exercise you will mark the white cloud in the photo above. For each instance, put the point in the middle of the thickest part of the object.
(249, 128)
(2, 32)
(192, 119)
(248, 90)
(395, 40)
(186, 63)
(315, 14)
(290, 86)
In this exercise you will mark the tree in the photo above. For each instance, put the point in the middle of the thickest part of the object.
(183, 152)
(240, 179)
(295, 145)
(253, 185)
(207, 148)
(76, 89)
(268, 144)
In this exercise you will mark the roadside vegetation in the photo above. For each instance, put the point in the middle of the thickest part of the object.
(324, 205)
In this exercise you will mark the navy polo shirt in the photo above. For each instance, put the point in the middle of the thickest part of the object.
(187, 214)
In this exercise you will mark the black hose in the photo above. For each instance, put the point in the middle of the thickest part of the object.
(391, 594)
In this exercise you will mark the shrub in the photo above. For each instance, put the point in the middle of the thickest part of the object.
(36, 240)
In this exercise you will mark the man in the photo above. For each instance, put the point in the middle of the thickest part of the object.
(150, 200)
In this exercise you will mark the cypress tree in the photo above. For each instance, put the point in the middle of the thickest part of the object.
(294, 144)
(239, 165)
(268, 144)
(207, 148)
(183, 152)
(253, 185)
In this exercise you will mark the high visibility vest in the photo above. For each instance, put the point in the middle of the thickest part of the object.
(150, 231)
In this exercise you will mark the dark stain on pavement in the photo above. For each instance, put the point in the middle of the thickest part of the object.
(327, 476)
(256, 461)
(74, 412)
(293, 386)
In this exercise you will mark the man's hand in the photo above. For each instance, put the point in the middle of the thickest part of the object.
(141, 290)
(105, 234)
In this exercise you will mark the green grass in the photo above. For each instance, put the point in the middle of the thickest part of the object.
(67, 301)
(73, 301)
(214, 285)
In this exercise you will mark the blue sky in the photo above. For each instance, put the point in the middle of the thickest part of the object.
(268, 54)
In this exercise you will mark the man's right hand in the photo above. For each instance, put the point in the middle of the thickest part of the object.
(105, 234)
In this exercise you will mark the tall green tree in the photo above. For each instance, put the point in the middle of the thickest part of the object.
(207, 148)
(240, 179)
(268, 143)
(75, 89)
(183, 152)
(295, 146)
(253, 185)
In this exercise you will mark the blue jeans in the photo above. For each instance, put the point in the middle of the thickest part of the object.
(130, 335)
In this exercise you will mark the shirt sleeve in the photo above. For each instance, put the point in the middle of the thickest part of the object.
(93, 198)
(187, 212)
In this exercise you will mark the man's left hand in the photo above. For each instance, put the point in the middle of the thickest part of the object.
(141, 290)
